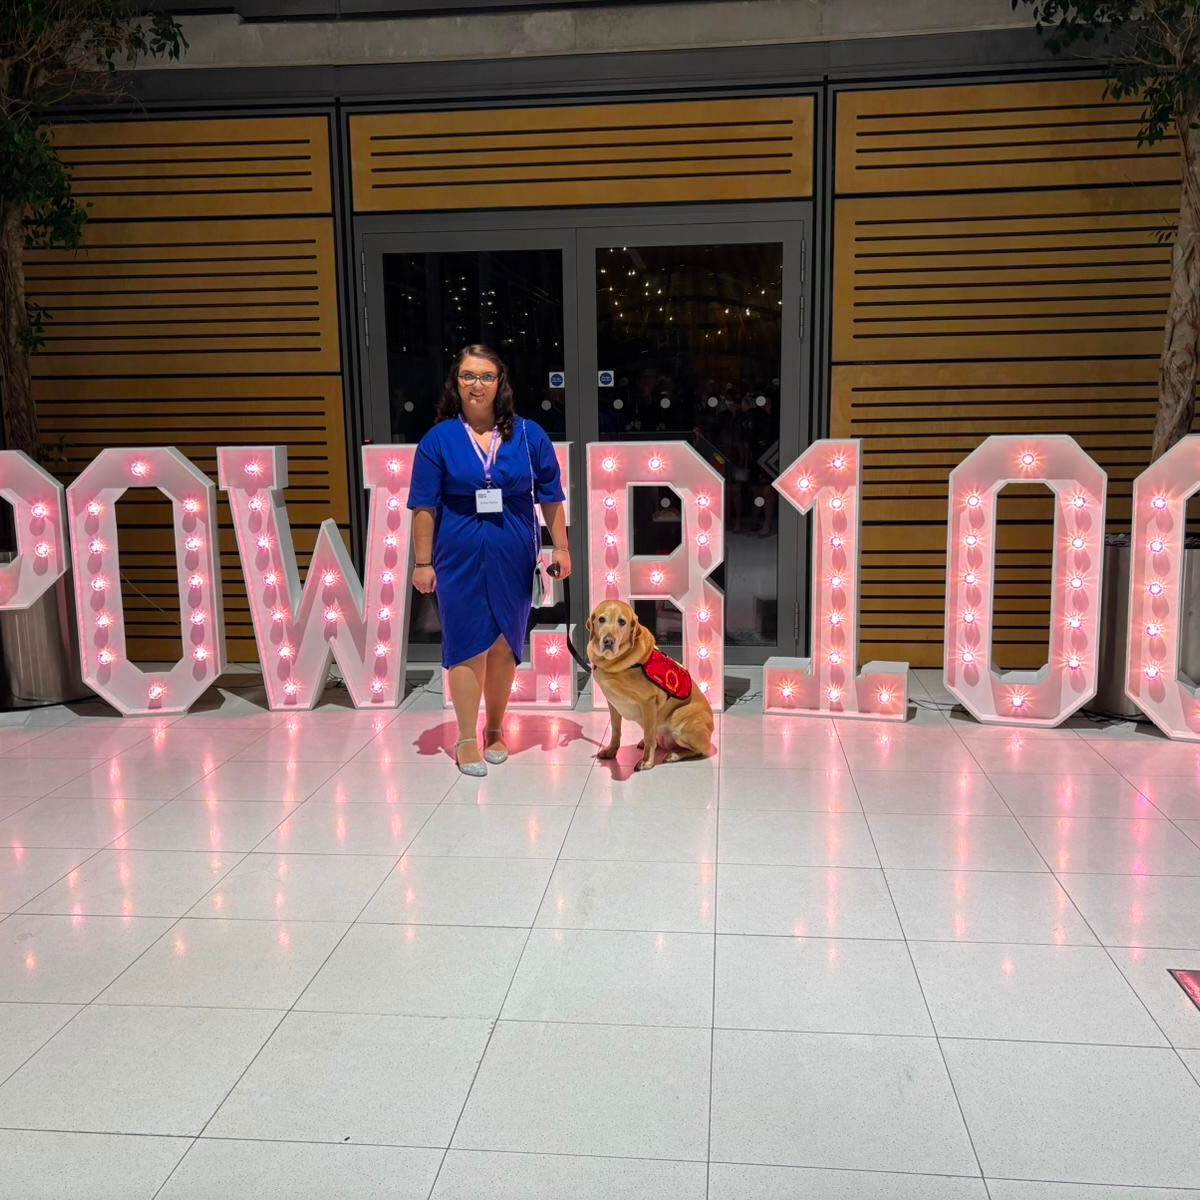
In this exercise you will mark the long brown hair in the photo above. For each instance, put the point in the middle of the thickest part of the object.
(450, 405)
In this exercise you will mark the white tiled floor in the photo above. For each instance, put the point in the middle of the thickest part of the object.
(246, 954)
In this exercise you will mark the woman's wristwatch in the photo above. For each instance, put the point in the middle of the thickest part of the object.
(428, 564)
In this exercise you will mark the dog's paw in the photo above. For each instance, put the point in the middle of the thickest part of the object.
(607, 752)
(643, 765)
(674, 756)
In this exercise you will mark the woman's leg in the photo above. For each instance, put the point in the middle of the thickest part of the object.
(466, 686)
(497, 688)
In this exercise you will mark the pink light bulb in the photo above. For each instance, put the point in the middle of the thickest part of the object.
(804, 483)
(256, 504)
(39, 510)
(1079, 501)
(331, 614)
(969, 617)
(139, 469)
(200, 654)
(290, 688)
(103, 621)
(195, 581)
(552, 685)
(1075, 582)
(1028, 459)
(191, 506)
(156, 691)
(656, 578)
(835, 618)
(514, 687)
(1155, 589)
(270, 579)
(968, 656)
(329, 579)
(391, 541)
(285, 651)
(1073, 661)
(377, 686)
(837, 542)
(703, 652)
(1075, 622)
(610, 539)
(99, 584)
(1153, 630)
(387, 577)
(610, 502)
(1018, 700)
(786, 690)
(254, 468)
(1078, 543)
(1157, 545)
(884, 696)
(702, 614)
(385, 614)
(263, 543)
(380, 650)
(552, 649)
(835, 657)
(703, 501)
(94, 509)
(1159, 502)
(838, 462)
(834, 694)
(199, 617)
(393, 466)
(42, 549)
(974, 500)
(837, 503)
(970, 578)
(610, 577)
(704, 685)
(971, 539)
(609, 463)
(106, 657)
(655, 462)
(393, 503)
(192, 543)
(836, 581)
(1153, 671)
(277, 614)
(702, 539)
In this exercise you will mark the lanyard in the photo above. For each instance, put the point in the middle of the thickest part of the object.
(489, 459)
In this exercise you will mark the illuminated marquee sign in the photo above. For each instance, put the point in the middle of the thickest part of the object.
(363, 623)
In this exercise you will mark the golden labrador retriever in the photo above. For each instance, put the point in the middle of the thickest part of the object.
(643, 685)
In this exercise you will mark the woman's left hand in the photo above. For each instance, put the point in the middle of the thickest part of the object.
(562, 559)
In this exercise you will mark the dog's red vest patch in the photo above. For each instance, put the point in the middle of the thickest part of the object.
(668, 675)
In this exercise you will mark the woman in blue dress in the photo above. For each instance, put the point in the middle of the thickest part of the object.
(476, 539)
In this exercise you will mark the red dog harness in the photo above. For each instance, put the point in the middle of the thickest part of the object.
(667, 674)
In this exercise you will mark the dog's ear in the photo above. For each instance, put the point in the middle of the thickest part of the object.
(633, 625)
(588, 625)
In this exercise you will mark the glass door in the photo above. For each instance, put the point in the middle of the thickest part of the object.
(694, 332)
(429, 296)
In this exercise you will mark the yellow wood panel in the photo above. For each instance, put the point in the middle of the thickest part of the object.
(196, 416)
(917, 422)
(1002, 275)
(1000, 135)
(595, 154)
(258, 166)
(191, 297)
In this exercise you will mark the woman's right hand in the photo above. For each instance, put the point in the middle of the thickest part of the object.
(424, 579)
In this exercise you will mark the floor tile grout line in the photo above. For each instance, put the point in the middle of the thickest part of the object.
(291, 1008)
(516, 968)
(962, 1116)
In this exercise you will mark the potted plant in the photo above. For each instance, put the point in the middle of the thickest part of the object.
(51, 51)
(1149, 51)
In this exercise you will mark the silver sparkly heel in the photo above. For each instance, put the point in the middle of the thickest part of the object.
(476, 769)
(495, 756)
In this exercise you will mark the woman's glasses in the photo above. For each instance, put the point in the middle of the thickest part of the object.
(469, 377)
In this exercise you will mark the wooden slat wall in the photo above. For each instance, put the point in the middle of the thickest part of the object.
(202, 312)
(598, 154)
(1000, 266)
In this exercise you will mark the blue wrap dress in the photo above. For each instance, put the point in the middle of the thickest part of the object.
(484, 561)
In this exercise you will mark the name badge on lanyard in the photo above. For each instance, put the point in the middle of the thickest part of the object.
(488, 499)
